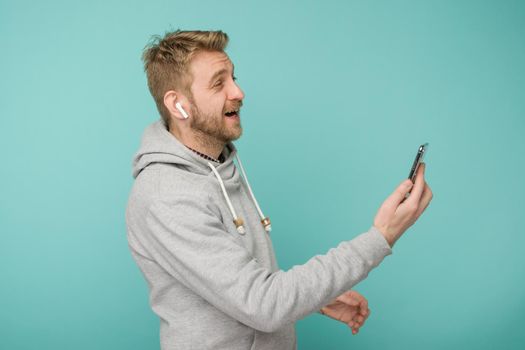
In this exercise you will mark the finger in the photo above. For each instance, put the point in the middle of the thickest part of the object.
(363, 302)
(419, 185)
(425, 200)
(400, 193)
(358, 322)
(363, 307)
(354, 327)
(367, 314)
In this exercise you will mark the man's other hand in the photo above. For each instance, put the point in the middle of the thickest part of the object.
(350, 308)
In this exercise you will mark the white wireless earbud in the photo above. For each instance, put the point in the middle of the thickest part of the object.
(181, 110)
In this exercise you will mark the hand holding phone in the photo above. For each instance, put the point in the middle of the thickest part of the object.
(398, 213)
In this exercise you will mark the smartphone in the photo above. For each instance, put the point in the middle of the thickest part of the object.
(419, 158)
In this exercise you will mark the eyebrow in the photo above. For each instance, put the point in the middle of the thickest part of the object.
(221, 72)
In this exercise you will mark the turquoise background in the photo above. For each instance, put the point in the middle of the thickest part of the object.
(339, 94)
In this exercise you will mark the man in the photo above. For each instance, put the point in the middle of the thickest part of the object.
(198, 233)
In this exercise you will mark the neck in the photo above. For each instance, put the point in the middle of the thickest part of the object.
(200, 142)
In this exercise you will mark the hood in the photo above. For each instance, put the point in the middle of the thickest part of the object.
(158, 145)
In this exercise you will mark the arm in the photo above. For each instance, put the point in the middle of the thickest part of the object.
(394, 216)
(199, 252)
(190, 242)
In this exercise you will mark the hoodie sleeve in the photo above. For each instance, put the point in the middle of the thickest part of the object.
(191, 243)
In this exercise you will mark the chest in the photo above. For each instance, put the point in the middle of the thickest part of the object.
(255, 239)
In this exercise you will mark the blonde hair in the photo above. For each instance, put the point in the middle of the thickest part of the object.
(167, 60)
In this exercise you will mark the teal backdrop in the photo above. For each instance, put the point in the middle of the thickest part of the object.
(339, 94)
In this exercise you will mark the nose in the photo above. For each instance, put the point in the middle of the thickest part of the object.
(236, 93)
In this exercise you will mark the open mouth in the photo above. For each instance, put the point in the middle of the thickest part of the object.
(234, 113)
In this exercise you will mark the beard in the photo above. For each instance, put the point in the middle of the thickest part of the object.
(214, 127)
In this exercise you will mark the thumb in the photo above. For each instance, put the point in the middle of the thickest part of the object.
(348, 299)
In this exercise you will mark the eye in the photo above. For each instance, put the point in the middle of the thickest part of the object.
(219, 82)
(234, 78)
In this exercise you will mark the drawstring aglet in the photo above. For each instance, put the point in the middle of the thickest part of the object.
(239, 224)
(267, 224)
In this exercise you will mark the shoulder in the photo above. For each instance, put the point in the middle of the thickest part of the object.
(165, 185)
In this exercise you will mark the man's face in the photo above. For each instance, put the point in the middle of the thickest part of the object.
(214, 94)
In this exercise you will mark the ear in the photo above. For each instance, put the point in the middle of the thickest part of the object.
(171, 98)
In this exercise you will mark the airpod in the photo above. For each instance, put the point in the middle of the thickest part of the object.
(181, 110)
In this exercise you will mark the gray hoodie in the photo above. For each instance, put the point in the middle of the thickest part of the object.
(212, 284)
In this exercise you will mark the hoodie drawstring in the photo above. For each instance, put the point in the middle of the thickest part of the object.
(265, 221)
(239, 223)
